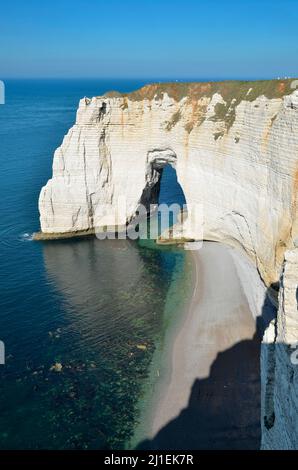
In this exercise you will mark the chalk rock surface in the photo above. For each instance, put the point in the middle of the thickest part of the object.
(279, 365)
(234, 146)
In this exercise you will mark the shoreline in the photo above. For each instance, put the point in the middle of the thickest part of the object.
(217, 319)
(161, 368)
(43, 236)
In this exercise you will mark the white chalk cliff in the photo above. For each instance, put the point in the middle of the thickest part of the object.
(235, 149)
(279, 365)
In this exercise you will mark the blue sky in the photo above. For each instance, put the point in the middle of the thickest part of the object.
(150, 39)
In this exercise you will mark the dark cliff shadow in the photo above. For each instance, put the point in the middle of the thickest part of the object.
(224, 410)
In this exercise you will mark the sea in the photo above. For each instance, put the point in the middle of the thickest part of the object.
(81, 318)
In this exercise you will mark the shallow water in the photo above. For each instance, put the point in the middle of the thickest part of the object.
(98, 308)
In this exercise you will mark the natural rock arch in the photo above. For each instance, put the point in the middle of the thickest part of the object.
(156, 160)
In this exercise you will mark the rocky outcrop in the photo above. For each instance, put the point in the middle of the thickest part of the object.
(279, 363)
(235, 149)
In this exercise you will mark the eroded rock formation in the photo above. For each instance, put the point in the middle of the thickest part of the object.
(235, 149)
(279, 363)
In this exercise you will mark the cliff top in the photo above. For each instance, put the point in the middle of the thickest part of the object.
(230, 89)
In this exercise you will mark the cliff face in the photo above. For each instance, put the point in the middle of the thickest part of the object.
(279, 365)
(235, 148)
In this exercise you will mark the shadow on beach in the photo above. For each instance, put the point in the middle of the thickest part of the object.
(224, 410)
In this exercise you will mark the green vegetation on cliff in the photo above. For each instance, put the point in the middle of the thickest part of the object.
(229, 90)
(233, 92)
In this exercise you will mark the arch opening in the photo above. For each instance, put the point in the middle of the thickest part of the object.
(163, 197)
(156, 161)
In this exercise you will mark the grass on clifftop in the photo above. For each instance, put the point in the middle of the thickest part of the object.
(229, 90)
(232, 91)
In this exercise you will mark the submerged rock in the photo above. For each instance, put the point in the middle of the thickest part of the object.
(57, 367)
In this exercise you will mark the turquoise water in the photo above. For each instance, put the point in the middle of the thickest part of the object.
(96, 307)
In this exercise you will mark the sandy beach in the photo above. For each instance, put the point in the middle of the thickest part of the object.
(211, 398)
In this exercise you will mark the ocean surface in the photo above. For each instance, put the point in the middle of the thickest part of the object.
(98, 308)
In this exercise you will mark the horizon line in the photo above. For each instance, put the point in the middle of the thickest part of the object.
(171, 79)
